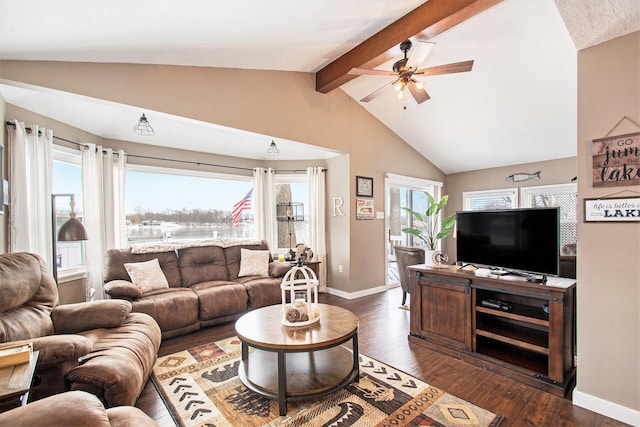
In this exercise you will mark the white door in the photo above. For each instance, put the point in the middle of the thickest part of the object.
(403, 191)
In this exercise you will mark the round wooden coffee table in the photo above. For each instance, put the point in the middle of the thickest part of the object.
(290, 363)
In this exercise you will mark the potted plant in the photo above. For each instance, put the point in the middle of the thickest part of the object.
(431, 230)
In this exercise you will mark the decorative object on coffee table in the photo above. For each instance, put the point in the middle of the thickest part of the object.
(300, 285)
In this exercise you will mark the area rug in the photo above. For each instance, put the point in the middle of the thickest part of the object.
(200, 387)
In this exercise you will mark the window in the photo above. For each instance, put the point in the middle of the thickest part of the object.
(563, 196)
(164, 204)
(67, 179)
(490, 199)
(403, 191)
(294, 189)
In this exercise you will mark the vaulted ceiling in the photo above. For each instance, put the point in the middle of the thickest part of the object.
(517, 105)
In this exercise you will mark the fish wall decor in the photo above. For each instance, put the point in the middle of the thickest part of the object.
(519, 177)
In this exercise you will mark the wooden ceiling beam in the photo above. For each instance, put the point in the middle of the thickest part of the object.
(426, 21)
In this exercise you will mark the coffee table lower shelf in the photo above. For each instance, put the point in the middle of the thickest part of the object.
(291, 376)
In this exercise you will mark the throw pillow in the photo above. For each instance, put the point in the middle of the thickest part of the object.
(253, 263)
(147, 275)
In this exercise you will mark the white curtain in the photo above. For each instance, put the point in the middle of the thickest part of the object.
(317, 215)
(103, 185)
(30, 172)
(264, 206)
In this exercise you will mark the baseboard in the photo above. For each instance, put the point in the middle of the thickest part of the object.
(354, 295)
(609, 409)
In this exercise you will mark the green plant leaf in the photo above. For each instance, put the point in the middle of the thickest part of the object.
(416, 214)
(448, 222)
(444, 233)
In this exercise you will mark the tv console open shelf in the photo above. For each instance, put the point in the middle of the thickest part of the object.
(520, 329)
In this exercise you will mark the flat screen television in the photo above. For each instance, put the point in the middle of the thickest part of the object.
(516, 240)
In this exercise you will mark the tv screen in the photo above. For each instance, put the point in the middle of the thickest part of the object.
(526, 240)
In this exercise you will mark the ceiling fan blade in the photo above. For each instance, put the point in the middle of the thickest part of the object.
(456, 67)
(420, 95)
(421, 49)
(376, 93)
(371, 72)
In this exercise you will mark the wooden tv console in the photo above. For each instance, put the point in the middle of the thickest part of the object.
(520, 329)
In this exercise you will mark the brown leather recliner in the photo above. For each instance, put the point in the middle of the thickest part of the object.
(406, 256)
(100, 347)
(75, 409)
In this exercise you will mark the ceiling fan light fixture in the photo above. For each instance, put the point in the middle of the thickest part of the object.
(143, 127)
(418, 84)
(273, 149)
(401, 94)
(399, 86)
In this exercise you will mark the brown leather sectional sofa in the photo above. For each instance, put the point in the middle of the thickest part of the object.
(99, 347)
(204, 287)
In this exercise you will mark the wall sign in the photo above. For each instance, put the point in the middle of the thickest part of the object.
(337, 206)
(612, 210)
(616, 160)
(364, 186)
(364, 209)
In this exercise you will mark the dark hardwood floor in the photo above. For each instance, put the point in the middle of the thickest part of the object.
(383, 335)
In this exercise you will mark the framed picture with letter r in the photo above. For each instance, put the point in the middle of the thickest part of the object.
(364, 186)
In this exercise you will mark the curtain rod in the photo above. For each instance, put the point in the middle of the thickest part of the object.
(79, 144)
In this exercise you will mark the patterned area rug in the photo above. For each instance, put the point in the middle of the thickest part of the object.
(201, 388)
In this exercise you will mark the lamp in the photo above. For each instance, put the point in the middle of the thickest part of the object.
(273, 149)
(290, 212)
(143, 127)
(71, 231)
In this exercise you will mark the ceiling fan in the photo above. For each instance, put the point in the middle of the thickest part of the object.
(406, 69)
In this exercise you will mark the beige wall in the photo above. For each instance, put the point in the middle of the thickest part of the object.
(281, 104)
(608, 254)
(560, 171)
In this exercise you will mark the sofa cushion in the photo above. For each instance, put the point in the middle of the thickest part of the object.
(173, 308)
(116, 258)
(147, 275)
(120, 362)
(202, 264)
(253, 263)
(27, 296)
(232, 255)
(219, 299)
(262, 291)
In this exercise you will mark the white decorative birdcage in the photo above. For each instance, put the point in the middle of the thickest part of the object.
(300, 287)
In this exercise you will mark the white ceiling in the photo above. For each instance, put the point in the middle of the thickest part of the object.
(518, 104)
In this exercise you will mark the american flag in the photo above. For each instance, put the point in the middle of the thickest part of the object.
(242, 205)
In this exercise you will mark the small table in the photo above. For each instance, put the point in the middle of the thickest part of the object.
(309, 360)
(15, 383)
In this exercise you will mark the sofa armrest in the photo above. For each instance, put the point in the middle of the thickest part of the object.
(83, 316)
(278, 269)
(76, 408)
(55, 349)
(122, 289)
